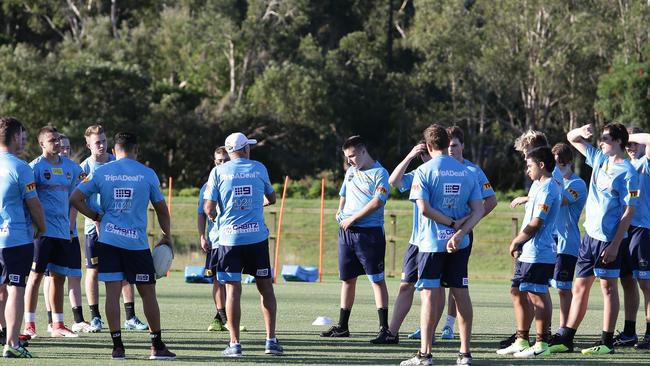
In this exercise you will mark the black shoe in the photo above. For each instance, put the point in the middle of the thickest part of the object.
(336, 331)
(559, 344)
(385, 337)
(644, 343)
(624, 340)
(508, 341)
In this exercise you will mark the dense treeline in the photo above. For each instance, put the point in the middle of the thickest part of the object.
(301, 75)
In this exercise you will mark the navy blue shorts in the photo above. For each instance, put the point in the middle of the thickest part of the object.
(590, 262)
(362, 251)
(52, 254)
(72, 253)
(410, 264)
(565, 267)
(91, 250)
(211, 259)
(443, 269)
(117, 264)
(252, 259)
(635, 253)
(15, 263)
(532, 277)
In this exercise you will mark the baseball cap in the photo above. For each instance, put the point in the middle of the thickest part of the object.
(237, 141)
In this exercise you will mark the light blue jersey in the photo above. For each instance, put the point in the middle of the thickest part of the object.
(449, 187)
(483, 182)
(568, 232)
(17, 184)
(407, 181)
(54, 184)
(82, 175)
(545, 205)
(642, 213)
(238, 187)
(359, 188)
(89, 166)
(612, 187)
(125, 187)
(212, 226)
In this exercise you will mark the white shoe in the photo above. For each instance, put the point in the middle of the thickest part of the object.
(540, 349)
(517, 346)
(82, 327)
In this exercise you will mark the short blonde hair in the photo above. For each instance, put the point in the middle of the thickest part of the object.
(530, 140)
(94, 130)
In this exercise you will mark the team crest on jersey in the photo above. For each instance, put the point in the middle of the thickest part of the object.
(415, 187)
(86, 179)
(381, 190)
(83, 176)
(68, 176)
(57, 171)
(47, 174)
(573, 193)
(30, 187)
(543, 207)
(487, 186)
(634, 194)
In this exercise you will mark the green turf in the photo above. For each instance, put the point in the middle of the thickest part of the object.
(187, 310)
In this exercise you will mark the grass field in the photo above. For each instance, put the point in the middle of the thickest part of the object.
(187, 309)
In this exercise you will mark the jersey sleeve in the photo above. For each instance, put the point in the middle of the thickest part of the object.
(212, 188)
(381, 185)
(89, 186)
(629, 190)
(155, 195)
(343, 185)
(419, 189)
(484, 184)
(199, 209)
(407, 180)
(476, 191)
(543, 202)
(268, 188)
(26, 182)
(593, 156)
(575, 190)
(78, 175)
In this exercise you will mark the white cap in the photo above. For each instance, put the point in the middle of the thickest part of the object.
(237, 141)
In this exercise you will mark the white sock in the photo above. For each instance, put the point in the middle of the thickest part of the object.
(274, 340)
(57, 317)
(450, 321)
(233, 344)
(30, 317)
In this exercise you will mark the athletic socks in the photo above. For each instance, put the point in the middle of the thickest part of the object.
(49, 317)
(344, 317)
(607, 338)
(222, 314)
(451, 320)
(630, 328)
(568, 333)
(94, 311)
(78, 314)
(117, 339)
(383, 317)
(647, 329)
(523, 334)
(129, 310)
(544, 337)
(30, 317)
(156, 340)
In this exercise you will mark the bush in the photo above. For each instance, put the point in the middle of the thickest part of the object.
(189, 192)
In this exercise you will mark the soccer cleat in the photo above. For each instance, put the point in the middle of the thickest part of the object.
(241, 328)
(464, 359)
(623, 340)
(97, 324)
(644, 343)
(447, 333)
(540, 349)
(15, 352)
(385, 337)
(118, 353)
(49, 327)
(518, 345)
(418, 359)
(598, 349)
(415, 335)
(273, 348)
(232, 351)
(508, 341)
(336, 331)
(135, 324)
(30, 330)
(61, 331)
(216, 326)
(559, 344)
(162, 354)
(82, 327)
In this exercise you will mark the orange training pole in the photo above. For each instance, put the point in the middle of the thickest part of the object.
(322, 220)
(169, 197)
(279, 233)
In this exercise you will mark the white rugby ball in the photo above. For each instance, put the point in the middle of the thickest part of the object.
(162, 259)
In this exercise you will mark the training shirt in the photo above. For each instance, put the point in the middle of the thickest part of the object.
(359, 188)
(642, 213)
(612, 187)
(125, 187)
(407, 181)
(78, 172)
(212, 226)
(238, 187)
(568, 232)
(483, 182)
(17, 184)
(89, 166)
(544, 204)
(448, 186)
(54, 184)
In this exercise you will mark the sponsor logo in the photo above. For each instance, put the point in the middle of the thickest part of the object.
(451, 173)
(543, 207)
(465, 281)
(643, 263)
(123, 178)
(122, 193)
(240, 191)
(207, 273)
(381, 266)
(487, 186)
(122, 231)
(249, 227)
(33, 266)
(573, 193)
(4, 230)
(94, 260)
(450, 202)
(14, 278)
(643, 274)
(403, 276)
(451, 189)
(47, 174)
(57, 171)
(634, 194)
(262, 272)
(445, 234)
(141, 277)
(240, 176)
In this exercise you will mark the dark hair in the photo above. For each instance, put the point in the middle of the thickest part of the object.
(126, 141)
(44, 130)
(221, 150)
(9, 127)
(544, 155)
(356, 142)
(63, 136)
(456, 132)
(618, 132)
(436, 136)
(563, 152)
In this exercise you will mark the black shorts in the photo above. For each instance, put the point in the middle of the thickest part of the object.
(15, 263)
(252, 259)
(565, 266)
(54, 255)
(635, 253)
(532, 277)
(211, 259)
(443, 269)
(590, 262)
(362, 251)
(410, 264)
(117, 264)
(91, 250)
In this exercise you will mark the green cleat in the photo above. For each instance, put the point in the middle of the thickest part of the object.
(18, 352)
(598, 349)
(559, 344)
(216, 326)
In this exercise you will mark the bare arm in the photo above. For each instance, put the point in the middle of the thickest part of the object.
(369, 208)
(78, 201)
(270, 199)
(36, 212)
(209, 207)
(611, 251)
(201, 225)
(395, 178)
(578, 137)
(476, 214)
(489, 204)
(432, 214)
(643, 139)
(164, 221)
(73, 219)
(524, 235)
